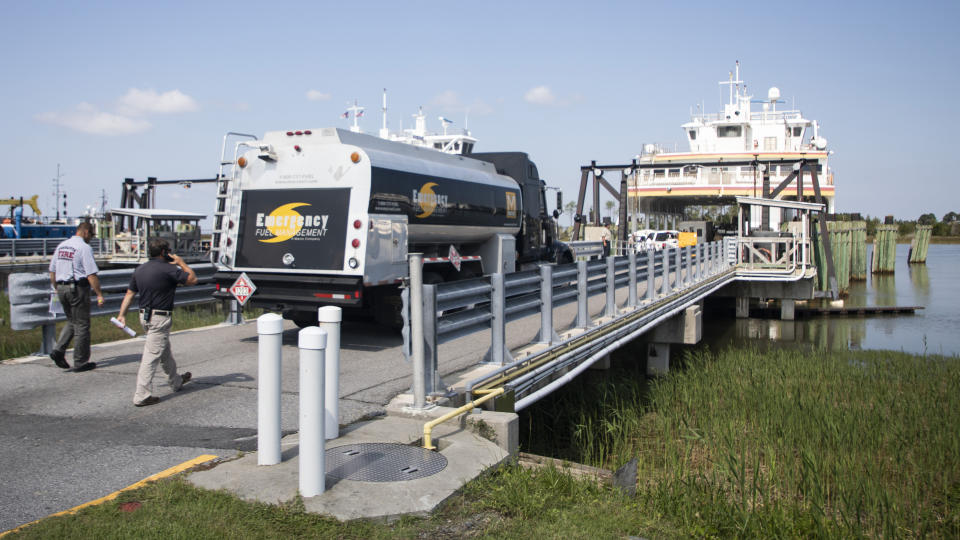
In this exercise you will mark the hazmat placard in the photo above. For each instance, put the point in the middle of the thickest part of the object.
(242, 289)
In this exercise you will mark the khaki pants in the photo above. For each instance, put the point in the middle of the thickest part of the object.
(156, 350)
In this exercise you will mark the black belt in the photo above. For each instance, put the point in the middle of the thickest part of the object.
(158, 311)
(83, 281)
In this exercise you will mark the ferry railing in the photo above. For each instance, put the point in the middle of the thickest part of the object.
(457, 309)
(14, 249)
(773, 253)
(30, 295)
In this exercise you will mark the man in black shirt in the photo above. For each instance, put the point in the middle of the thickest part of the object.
(156, 280)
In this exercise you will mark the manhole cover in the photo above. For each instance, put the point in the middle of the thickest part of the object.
(382, 462)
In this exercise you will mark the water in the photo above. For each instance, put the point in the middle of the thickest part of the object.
(933, 330)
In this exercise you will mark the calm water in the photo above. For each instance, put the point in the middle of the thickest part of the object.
(934, 329)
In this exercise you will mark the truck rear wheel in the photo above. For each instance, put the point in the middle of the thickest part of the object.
(305, 320)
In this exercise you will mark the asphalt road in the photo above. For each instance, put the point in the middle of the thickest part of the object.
(69, 438)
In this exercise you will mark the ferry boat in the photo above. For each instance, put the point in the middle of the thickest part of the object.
(448, 142)
(736, 152)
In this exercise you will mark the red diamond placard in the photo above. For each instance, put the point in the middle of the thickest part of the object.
(454, 257)
(242, 289)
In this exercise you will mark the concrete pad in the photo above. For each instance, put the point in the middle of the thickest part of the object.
(468, 456)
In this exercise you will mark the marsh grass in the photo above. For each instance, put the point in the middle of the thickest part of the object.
(779, 442)
(14, 344)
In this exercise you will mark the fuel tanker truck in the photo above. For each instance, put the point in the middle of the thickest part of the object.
(328, 216)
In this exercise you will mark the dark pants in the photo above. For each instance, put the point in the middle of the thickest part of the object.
(76, 306)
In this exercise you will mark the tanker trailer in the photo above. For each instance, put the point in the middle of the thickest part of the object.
(327, 217)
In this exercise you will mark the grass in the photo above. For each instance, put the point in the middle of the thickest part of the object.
(740, 443)
(783, 442)
(14, 344)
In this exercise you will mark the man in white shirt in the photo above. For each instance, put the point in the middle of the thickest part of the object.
(73, 273)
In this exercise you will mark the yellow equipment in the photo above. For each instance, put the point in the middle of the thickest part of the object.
(687, 239)
(31, 202)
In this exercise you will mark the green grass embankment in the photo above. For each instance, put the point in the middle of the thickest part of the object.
(14, 344)
(749, 444)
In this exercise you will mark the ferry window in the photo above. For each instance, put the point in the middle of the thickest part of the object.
(438, 146)
(729, 131)
(467, 148)
(693, 134)
(769, 144)
(797, 131)
(456, 146)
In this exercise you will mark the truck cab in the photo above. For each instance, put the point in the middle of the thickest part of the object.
(539, 238)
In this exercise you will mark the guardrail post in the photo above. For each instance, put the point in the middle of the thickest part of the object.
(498, 324)
(701, 253)
(547, 336)
(234, 313)
(312, 341)
(632, 282)
(665, 268)
(431, 371)
(651, 275)
(678, 282)
(688, 266)
(611, 310)
(416, 329)
(330, 317)
(583, 319)
(269, 359)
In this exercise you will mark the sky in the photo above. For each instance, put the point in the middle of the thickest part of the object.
(111, 90)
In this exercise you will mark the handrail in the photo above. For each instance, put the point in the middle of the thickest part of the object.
(428, 427)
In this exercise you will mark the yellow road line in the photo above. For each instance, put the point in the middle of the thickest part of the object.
(163, 474)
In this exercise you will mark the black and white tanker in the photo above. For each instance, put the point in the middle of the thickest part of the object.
(328, 216)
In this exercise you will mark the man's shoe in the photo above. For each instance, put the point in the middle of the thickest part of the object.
(185, 377)
(86, 366)
(59, 359)
(152, 400)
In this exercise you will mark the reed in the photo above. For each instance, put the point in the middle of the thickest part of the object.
(783, 442)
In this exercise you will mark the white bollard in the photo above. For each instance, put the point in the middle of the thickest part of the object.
(270, 342)
(312, 342)
(330, 317)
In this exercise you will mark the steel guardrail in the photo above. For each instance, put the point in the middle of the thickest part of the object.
(30, 295)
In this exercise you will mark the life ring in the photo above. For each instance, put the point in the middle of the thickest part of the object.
(767, 253)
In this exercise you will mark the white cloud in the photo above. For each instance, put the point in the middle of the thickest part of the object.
(541, 95)
(447, 99)
(87, 119)
(316, 95)
(128, 114)
(138, 102)
(449, 102)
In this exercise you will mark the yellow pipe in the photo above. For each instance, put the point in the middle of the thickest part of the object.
(428, 427)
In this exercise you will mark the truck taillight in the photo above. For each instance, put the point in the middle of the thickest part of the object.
(355, 243)
(357, 224)
(355, 157)
(242, 162)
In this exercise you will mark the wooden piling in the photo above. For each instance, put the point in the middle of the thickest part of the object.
(919, 245)
(884, 250)
(858, 250)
